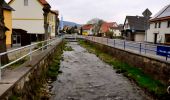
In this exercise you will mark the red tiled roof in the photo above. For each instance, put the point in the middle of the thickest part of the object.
(105, 26)
(87, 27)
(43, 2)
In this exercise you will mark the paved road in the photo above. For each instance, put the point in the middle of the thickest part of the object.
(86, 77)
(150, 49)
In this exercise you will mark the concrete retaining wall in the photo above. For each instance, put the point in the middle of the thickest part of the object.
(158, 69)
(29, 77)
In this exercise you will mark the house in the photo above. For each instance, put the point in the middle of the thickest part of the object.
(7, 10)
(53, 22)
(19, 36)
(134, 28)
(87, 29)
(110, 29)
(159, 30)
(28, 16)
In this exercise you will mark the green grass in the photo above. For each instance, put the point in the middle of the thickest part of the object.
(68, 48)
(17, 64)
(53, 70)
(154, 87)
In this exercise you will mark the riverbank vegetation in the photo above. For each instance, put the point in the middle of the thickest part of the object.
(152, 86)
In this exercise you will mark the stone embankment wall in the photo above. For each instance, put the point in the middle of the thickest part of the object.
(156, 68)
(32, 76)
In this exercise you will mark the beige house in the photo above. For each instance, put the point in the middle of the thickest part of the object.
(52, 20)
(28, 16)
(159, 31)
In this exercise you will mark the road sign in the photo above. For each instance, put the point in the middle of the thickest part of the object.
(147, 13)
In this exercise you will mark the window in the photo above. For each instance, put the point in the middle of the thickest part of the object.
(25, 2)
(168, 24)
(159, 25)
(155, 25)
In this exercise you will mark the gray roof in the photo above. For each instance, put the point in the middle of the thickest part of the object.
(164, 12)
(136, 22)
(7, 7)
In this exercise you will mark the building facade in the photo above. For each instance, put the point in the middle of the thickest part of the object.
(8, 23)
(159, 30)
(53, 23)
(110, 28)
(28, 16)
(134, 28)
(87, 29)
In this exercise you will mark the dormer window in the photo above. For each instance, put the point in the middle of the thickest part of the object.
(25, 2)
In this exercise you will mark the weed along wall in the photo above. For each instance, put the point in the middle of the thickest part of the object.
(32, 75)
(159, 70)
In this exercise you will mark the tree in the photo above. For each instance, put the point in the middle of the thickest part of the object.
(97, 26)
(46, 10)
(3, 29)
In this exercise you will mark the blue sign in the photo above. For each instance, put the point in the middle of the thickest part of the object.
(163, 51)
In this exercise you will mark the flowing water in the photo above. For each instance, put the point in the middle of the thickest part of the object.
(86, 77)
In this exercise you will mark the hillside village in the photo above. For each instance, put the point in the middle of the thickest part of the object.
(137, 28)
(43, 57)
(23, 21)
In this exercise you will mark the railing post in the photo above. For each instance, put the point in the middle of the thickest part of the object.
(0, 69)
(30, 53)
(140, 49)
(145, 48)
(42, 46)
(114, 41)
(124, 45)
(166, 55)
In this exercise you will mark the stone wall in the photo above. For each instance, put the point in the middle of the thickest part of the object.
(158, 69)
(33, 76)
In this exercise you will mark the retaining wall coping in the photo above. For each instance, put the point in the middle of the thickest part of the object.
(11, 77)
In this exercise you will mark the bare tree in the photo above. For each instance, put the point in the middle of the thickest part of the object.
(97, 25)
(4, 59)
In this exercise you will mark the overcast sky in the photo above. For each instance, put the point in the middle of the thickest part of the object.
(81, 11)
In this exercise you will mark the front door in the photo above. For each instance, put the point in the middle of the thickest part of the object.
(167, 39)
(155, 38)
(16, 40)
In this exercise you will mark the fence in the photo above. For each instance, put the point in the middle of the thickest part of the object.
(27, 50)
(157, 51)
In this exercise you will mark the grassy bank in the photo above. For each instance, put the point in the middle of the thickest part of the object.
(154, 87)
(53, 70)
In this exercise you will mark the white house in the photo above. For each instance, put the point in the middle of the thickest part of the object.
(134, 28)
(110, 27)
(28, 16)
(159, 31)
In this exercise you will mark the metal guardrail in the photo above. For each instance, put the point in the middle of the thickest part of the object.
(44, 45)
(138, 47)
